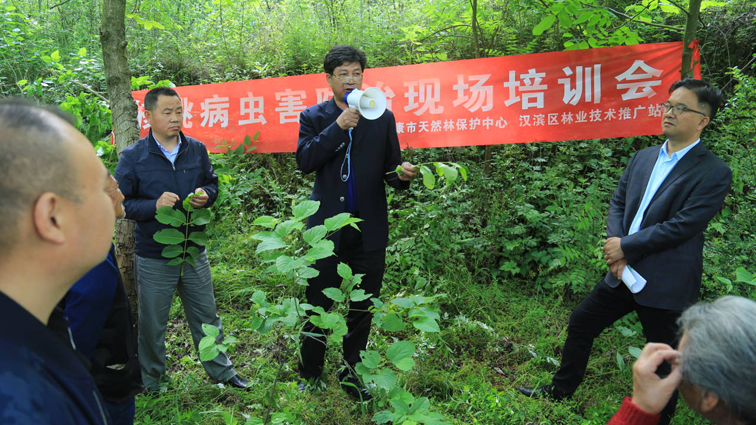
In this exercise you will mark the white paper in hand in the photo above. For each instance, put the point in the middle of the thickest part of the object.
(634, 281)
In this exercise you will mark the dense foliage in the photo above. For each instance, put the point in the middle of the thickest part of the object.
(506, 255)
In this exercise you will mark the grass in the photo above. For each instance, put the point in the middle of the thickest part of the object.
(495, 337)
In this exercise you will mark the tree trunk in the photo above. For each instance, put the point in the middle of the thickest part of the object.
(476, 43)
(691, 26)
(126, 127)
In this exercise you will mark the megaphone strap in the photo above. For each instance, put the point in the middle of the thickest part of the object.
(347, 161)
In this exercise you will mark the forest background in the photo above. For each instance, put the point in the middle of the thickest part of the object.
(505, 256)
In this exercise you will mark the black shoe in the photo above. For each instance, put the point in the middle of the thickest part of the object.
(545, 391)
(356, 390)
(237, 381)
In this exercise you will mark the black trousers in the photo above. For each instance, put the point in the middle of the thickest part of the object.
(372, 265)
(599, 310)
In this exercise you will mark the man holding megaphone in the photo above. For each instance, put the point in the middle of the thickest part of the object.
(350, 142)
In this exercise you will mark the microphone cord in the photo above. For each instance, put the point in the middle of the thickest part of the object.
(347, 160)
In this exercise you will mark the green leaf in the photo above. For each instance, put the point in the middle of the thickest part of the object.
(545, 24)
(82, 52)
(200, 238)
(620, 361)
(259, 298)
(210, 330)
(359, 295)
(193, 252)
(371, 359)
(742, 275)
(403, 302)
(200, 217)
(208, 349)
(305, 209)
(344, 271)
(383, 417)
(307, 273)
(21, 82)
(429, 180)
(265, 221)
(338, 221)
(169, 237)
(268, 241)
(314, 234)
(176, 261)
(317, 253)
(392, 323)
(334, 294)
(450, 173)
(634, 351)
(171, 217)
(285, 263)
(172, 251)
(386, 379)
(55, 56)
(426, 324)
(400, 354)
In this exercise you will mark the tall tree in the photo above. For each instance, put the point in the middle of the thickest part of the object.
(126, 127)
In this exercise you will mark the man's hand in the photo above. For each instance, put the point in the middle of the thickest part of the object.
(167, 199)
(199, 199)
(618, 267)
(613, 250)
(408, 173)
(650, 392)
(348, 118)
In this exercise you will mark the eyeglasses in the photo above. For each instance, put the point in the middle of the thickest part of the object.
(679, 109)
(346, 79)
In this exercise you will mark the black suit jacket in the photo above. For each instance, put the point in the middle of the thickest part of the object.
(375, 152)
(668, 249)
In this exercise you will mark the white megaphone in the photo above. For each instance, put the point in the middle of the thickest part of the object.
(371, 102)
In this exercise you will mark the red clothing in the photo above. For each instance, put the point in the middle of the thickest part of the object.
(630, 414)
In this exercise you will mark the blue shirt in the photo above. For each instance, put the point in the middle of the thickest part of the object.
(664, 165)
(171, 155)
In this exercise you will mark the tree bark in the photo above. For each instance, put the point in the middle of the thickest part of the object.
(691, 27)
(125, 125)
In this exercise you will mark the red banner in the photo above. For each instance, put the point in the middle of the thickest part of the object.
(541, 97)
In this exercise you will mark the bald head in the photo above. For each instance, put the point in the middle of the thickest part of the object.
(34, 158)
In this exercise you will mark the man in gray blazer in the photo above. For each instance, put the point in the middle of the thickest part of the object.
(663, 203)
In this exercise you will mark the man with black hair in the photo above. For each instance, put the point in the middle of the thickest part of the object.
(663, 203)
(352, 158)
(57, 223)
(159, 170)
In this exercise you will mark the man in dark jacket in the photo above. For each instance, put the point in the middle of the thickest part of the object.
(352, 158)
(160, 170)
(102, 330)
(657, 216)
(57, 223)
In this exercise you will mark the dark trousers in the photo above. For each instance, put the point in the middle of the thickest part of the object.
(602, 307)
(372, 265)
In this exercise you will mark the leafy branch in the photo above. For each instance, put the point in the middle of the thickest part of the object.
(448, 172)
(178, 249)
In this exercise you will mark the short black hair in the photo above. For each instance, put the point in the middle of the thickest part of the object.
(709, 97)
(151, 98)
(34, 159)
(341, 54)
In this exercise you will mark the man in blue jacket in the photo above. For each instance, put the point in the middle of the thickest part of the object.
(160, 170)
(353, 158)
(57, 223)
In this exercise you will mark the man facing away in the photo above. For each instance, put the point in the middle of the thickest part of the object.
(57, 223)
(352, 157)
(663, 203)
(160, 170)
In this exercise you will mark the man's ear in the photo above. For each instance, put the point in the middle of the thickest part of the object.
(49, 218)
(709, 401)
(704, 122)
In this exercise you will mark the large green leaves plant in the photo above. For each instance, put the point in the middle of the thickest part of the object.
(177, 239)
